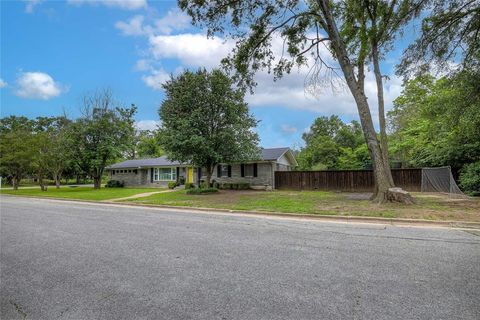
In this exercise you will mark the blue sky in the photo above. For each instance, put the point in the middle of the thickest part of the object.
(53, 52)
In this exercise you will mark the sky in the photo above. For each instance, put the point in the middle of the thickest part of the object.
(55, 52)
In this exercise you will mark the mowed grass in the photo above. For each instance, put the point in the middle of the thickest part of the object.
(428, 206)
(81, 193)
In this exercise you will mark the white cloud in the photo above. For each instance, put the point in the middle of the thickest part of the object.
(156, 79)
(174, 20)
(31, 5)
(134, 26)
(142, 65)
(37, 85)
(3, 84)
(147, 125)
(193, 50)
(122, 4)
(288, 128)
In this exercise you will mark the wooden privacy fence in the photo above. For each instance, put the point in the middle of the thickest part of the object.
(344, 180)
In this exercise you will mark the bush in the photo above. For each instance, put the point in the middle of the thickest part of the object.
(216, 185)
(181, 180)
(243, 186)
(114, 184)
(189, 185)
(470, 178)
(172, 184)
(202, 191)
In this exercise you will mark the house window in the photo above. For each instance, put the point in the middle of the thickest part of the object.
(248, 170)
(165, 174)
(223, 170)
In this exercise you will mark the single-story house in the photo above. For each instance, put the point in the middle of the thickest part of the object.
(159, 171)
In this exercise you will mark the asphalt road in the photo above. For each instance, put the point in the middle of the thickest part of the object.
(64, 260)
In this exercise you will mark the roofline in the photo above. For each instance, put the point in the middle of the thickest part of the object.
(288, 150)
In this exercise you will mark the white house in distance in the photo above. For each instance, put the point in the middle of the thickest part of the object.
(159, 171)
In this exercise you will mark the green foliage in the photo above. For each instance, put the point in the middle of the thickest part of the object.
(332, 144)
(172, 184)
(437, 122)
(147, 145)
(449, 32)
(202, 191)
(470, 178)
(114, 184)
(205, 121)
(189, 185)
(102, 135)
(234, 186)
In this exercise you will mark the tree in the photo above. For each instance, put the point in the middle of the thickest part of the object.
(350, 30)
(436, 122)
(52, 151)
(102, 134)
(16, 148)
(147, 145)
(450, 35)
(205, 121)
(332, 144)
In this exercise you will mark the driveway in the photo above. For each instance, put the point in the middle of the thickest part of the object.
(66, 260)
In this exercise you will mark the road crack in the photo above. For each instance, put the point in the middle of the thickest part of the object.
(19, 309)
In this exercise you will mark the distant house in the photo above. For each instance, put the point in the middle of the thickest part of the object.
(159, 171)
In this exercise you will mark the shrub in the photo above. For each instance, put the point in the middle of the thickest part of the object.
(202, 190)
(243, 186)
(114, 184)
(172, 184)
(181, 180)
(189, 185)
(216, 185)
(470, 178)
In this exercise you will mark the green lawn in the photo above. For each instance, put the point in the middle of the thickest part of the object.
(428, 206)
(81, 193)
(433, 207)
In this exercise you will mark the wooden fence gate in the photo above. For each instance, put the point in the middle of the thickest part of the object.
(344, 180)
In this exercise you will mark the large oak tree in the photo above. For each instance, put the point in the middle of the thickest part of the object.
(357, 34)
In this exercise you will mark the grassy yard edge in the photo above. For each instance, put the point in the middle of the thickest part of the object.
(332, 218)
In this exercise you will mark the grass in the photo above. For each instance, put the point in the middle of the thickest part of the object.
(428, 206)
(80, 193)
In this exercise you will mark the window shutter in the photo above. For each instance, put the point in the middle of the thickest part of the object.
(242, 170)
(229, 170)
(219, 171)
(151, 174)
(255, 170)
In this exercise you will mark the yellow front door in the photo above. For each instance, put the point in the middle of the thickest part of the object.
(189, 175)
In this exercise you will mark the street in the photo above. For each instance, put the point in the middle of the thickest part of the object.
(68, 260)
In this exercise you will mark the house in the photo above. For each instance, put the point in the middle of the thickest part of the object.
(159, 171)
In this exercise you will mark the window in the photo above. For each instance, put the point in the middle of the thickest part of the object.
(248, 170)
(165, 174)
(223, 170)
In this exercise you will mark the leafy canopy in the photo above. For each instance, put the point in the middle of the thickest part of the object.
(205, 120)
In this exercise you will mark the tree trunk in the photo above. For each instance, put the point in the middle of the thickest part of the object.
(381, 110)
(15, 183)
(209, 175)
(97, 182)
(41, 183)
(78, 179)
(381, 170)
(57, 181)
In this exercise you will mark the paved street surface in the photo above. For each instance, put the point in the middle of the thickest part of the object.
(65, 260)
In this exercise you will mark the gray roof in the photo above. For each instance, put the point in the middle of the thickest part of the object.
(141, 163)
(270, 154)
(273, 153)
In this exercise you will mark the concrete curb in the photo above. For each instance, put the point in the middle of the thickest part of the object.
(328, 218)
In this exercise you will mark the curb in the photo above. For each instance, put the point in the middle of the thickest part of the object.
(327, 218)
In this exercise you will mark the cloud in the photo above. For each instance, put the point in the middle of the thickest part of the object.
(37, 85)
(134, 26)
(121, 4)
(156, 79)
(31, 5)
(174, 20)
(286, 128)
(3, 84)
(147, 125)
(193, 50)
